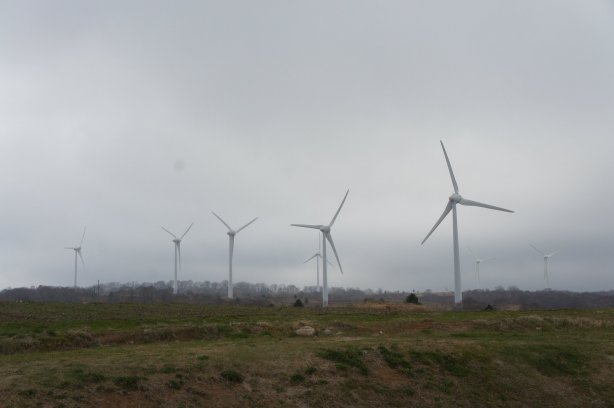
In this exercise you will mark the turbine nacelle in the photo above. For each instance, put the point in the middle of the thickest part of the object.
(177, 241)
(456, 198)
(325, 228)
(231, 233)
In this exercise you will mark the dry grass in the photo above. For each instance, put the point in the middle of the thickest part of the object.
(374, 357)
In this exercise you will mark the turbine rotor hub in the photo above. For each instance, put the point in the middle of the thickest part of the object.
(231, 233)
(176, 241)
(456, 198)
(325, 228)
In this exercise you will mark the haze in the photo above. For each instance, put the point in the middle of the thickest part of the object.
(126, 116)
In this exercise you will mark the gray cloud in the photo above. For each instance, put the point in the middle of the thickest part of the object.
(126, 116)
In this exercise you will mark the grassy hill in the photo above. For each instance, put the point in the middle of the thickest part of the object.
(182, 355)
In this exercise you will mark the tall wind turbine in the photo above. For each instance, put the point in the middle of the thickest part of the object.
(478, 261)
(326, 236)
(177, 242)
(546, 257)
(318, 256)
(77, 250)
(231, 243)
(453, 200)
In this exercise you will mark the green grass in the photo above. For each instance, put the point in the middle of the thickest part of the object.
(343, 358)
(194, 355)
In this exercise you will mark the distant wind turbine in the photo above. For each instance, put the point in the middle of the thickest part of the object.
(231, 242)
(478, 261)
(546, 257)
(326, 236)
(177, 242)
(77, 250)
(318, 257)
(453, 200)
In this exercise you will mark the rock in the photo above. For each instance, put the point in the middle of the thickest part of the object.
(327, 332)
(306, 331)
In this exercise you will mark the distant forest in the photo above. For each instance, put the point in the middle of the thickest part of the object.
(262, 294)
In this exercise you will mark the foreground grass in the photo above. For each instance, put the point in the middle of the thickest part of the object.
(190, 356)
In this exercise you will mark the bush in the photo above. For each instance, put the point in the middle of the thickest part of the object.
(127, 382)
(232, 376)
(298, 303)
(350, 357)
(297, 378)
(412, 298)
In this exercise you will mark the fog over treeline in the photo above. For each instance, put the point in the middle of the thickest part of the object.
(261, 294)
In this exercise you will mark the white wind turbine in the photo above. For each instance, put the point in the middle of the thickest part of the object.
(231, 242)
(177, 242)
(318, 256)
(326, 237)
(546, 257)
(478, 261)
(453, 200)
(77, 250)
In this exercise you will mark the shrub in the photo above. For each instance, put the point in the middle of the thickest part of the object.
(232, 376)
(350, 357)
(310, 370)
(127, 382)
(412, 298)
(298, 303)
(297, 378)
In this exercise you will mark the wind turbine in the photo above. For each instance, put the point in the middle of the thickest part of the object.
(177, 242)
(318, 256)
(77, 250)
(546, 257)
(231, 242)
(453, 200)
(478, 261)
(326, 236)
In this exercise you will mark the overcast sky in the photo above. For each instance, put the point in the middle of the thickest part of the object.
(126, 116)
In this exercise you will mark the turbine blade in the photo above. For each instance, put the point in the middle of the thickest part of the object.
(330, 240)
(331, 264)
(246, 225)
(82, 261)
(445, 212)
(82, 236)
(472, 253)
(337, 213)
(478, 204)
(552, 254)
(535, 248)
(311, 258)
(174, 236)
(223, 222)
(69, 248)
(186, 231)
(307, 226)
(489, 259)
(450, 168)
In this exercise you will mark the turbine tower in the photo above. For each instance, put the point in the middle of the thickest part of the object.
(478, 261)
(326, 236)
(453, 200)
(546, 257)
(177, 242)
(318, 256)
(231, 243)
(77, 250)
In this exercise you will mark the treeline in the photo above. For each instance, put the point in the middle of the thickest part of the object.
(271, 295)
(543, 299)
(189, 291)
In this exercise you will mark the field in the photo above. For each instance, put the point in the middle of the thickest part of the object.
(183, 355)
